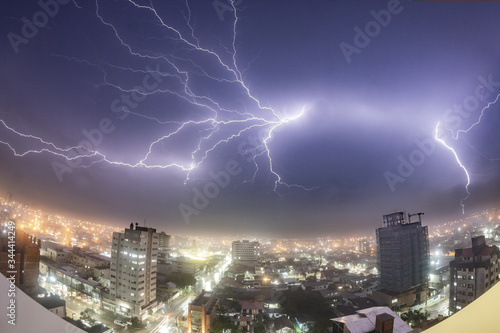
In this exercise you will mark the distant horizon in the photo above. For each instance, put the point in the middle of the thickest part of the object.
(242, 235)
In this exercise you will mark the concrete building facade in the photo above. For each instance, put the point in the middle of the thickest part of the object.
(133, 271)
(403, 258)
(246, 252)
(473, 271)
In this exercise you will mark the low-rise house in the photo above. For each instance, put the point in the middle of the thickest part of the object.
(375, 319)
(53, 303)
(328, 293)
(314, 286)
(283, 325)
(250, 311)
(305, 322)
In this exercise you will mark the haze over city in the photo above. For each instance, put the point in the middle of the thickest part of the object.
(286, 118)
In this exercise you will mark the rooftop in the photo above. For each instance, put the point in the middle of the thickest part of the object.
(364, 320)
(50, 302)
(202, 299)
(252, 305)
(315, 284)
(282, 322)
(469, 252)
(441, 270)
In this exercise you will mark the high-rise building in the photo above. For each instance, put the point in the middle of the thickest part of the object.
(364, 246)
(133, 271)
(246, 252)
(163, 240)
(402, 259)
(163, 247)
(187, 265)
(20, 258)
(473, 271)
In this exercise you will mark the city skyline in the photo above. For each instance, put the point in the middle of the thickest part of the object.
(220, 116)
(76, 276)
(34, 221)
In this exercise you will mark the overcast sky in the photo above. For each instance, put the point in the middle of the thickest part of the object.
(287, 117)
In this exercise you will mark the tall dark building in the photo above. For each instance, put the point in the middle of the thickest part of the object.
(402, 254)
(25, 255)
(163, 240)
(163, 247)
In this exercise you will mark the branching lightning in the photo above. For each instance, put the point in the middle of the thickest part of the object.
(478, 120)
(219, 126)
(459, 163)
(456, 136)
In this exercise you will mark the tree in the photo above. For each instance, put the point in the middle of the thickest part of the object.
(86, 315)
(136, 323)
(259, 328)
(235, 305)
(224, 325)
(414, 317)
(182, 280)
(262, 321)
(311, 303)
(311, 278)
(80, 288)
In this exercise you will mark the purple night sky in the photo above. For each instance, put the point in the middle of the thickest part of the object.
(279, 117)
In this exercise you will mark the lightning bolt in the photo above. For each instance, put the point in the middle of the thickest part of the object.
(456, 136)
(478, 120)
(459, 163)
(219, 123)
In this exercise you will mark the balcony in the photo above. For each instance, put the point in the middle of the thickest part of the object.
(479, 316)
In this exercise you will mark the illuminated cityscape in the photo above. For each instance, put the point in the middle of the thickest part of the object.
(235, 166)
(80, 276)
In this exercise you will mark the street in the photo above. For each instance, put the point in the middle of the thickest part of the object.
(437, 305)
(165, 320)
(438, 308)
